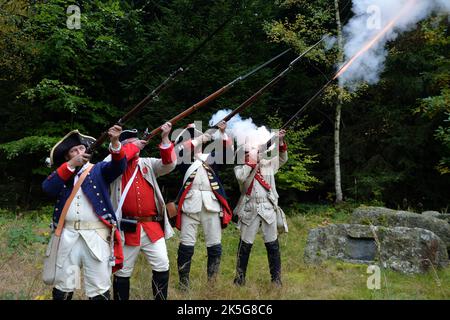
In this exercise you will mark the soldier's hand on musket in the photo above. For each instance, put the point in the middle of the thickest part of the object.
(114, 133)
(79, 160)
(281, 135)
(222, 126)
(253, 156)
(166, 128)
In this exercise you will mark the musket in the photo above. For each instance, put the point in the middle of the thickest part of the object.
(149, 135)
(154, 94)
(269, 85)
(306, 105)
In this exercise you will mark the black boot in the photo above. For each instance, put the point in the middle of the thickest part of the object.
(184, 264)
(273, 254)
(242, 262)
(60, 295)
(214, 254)
(121, 288)
(104, 296)
(160, 284)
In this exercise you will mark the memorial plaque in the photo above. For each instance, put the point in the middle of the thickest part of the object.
(364, 249)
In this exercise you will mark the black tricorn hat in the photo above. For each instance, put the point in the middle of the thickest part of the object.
(127, 134)
(70, 140)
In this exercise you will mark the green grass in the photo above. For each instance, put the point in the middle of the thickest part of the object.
(22, 266)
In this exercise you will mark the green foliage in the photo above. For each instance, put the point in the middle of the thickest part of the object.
(437, 104)
(296, 174)
(27, 145)
(394, 135)
(309, 23)
(434, 107)
(331, 280)
(22, 236)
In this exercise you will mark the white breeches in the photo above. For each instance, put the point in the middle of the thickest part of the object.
(248, 232)
(211, 225)
(155, 253)
(97, 273)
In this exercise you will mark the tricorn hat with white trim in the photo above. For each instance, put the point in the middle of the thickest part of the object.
(127, 134)
(70, 140)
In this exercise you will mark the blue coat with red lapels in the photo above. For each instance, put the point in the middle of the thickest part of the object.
(96, 188)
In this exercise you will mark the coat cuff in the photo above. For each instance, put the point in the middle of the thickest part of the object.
(168, 155)
(130, 151)
(117, 155)
(188, 145)
(64, 172)
(227, 141)
(253, 165)
(283, 147)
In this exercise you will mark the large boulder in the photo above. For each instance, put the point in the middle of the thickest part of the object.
(438, 215)
(408, 250)
(392, 218)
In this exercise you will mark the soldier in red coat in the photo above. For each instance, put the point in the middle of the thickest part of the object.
(140, 207)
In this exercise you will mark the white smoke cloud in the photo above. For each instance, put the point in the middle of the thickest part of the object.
(244, 131)
(370, 17)
(329, 41)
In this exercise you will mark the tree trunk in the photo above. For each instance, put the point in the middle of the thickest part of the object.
(337, 124)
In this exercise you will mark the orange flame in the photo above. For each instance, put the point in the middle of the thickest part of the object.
(375, 39)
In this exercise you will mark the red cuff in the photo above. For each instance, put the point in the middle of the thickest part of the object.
(187, 145)
(227, 142)
(64, 172)
(168, 155)
(253, 165)
(283, 148)
(130, 151)
(118, 156)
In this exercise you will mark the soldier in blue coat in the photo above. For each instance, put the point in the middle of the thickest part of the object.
(89, 237)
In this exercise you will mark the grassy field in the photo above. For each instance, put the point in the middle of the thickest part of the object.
(24, 237)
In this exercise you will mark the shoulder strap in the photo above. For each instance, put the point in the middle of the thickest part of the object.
(192, 168)
(124, 194)
(77, 186)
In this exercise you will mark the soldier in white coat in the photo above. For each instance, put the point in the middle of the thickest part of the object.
(257, 208)
(202, 201)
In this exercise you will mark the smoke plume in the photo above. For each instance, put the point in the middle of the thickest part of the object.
(370, 17)
(244, 131)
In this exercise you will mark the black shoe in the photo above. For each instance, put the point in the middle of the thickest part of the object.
(121, 288)
(160, 285)
(184, 264)
(61, 295)
(242, 262)
(273, 255)
(103, 296)
(214, 254)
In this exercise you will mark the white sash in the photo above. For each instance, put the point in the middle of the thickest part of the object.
(124, 195)
(197, 163)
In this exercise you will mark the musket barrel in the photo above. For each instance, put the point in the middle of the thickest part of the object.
(269, 85)
(180, 69)
(214, 96)
(188, 111)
